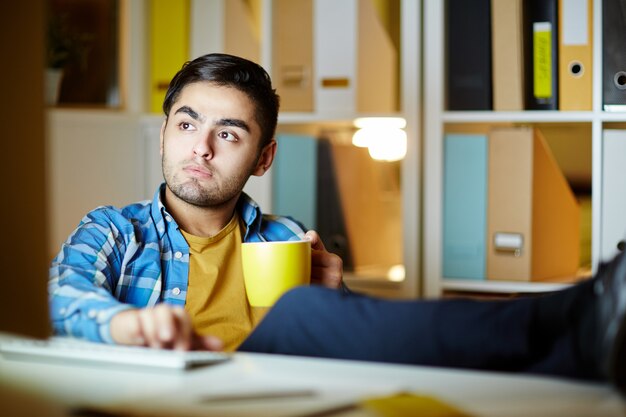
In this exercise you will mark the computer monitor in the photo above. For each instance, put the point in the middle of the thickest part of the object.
(23, 163)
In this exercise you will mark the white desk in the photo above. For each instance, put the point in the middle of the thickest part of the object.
(335, 382)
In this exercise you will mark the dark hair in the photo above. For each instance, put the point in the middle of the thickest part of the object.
(231, 71)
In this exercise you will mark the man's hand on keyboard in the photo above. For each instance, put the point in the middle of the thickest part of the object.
(162, 326)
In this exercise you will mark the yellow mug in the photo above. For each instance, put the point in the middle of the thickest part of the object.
(272, 268)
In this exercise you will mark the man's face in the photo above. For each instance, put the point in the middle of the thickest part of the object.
(209, 144)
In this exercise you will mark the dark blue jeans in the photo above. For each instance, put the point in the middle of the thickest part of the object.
(543, 335)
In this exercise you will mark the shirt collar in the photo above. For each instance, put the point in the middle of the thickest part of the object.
(158, 211)
(248, 210)
(251, 214)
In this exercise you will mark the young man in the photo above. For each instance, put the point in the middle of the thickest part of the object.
(161, 273)
(125, 275)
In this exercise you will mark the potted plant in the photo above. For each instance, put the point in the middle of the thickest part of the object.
(64, 46)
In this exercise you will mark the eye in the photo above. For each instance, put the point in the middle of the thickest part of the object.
(227, 136)
(186, 126)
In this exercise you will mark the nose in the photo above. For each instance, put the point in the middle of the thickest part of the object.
(203, 147)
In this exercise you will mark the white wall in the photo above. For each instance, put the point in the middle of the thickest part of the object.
(94, 158)
(107, 158)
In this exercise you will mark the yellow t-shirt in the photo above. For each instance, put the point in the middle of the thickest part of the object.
(216, 294)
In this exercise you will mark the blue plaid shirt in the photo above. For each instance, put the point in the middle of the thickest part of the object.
(131, 257)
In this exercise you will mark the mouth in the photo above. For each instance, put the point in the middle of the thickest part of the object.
(198, 171)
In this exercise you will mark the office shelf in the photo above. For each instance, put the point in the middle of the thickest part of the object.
(437, 121)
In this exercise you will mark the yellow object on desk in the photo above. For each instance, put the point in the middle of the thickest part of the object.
(408, 405)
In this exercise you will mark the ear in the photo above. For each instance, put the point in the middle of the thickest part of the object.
(265, 159)
(161, 136)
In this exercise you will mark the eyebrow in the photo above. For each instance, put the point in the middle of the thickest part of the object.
(191, 112)
(221, 122)
(235, 123)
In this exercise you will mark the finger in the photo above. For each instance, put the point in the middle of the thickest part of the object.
(126, 328)
(166, 322)
(207, 342)
(326, 269)
(184, 329)
(327, 278)
(149, 328)
(324, 258)
(328, 260)
(316, 240)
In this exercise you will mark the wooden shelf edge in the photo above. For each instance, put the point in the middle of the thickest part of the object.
(521, 116)
(313, 117)
(502, 287)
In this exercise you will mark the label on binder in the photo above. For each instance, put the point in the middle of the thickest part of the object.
(575, 17)
(542, 59)
(508, 242)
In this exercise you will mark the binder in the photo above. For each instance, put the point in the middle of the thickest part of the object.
(355, 65)
(465, 206)
(330, 217)
(305, 187)
(292, 58)
(377, 63)
(507, 42)
(613, 56)
(468, 46)
(532, 216)
(541, 57)
(294, 178)
(334, 48)
(372, 206)
(241, 33)
(169, 46)
(613, 197)
(575, 54)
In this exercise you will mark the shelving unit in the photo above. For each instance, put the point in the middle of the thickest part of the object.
(409, 80)
(435, 121)
(323, 119)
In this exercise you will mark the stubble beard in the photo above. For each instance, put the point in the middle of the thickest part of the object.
(193, 192)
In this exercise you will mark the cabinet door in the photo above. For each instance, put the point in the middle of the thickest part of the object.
(613, 195)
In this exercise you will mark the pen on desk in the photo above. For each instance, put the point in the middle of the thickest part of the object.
(332, 410)
(96, 412)
(257, 395)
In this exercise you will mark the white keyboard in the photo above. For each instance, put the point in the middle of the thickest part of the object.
(68, 350)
